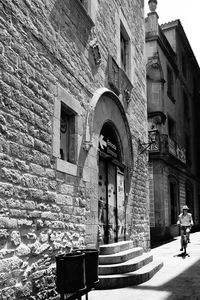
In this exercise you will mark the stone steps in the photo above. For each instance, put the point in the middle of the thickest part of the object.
(131, 278)
(122, 265)
(115, 247)
(120, 257)
(127, 266)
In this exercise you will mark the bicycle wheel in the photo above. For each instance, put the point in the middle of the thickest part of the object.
(184, 244)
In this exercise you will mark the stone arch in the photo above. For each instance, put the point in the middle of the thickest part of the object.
(106, 107)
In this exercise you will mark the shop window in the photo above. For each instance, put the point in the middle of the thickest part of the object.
(171, 129)
(170, 83)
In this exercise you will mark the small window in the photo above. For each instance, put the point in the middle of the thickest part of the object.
(170, 83)
(188, 149)
(186, 107)
(67, 134)
(124, 49)
(67, 119)
(172, 129)
(184, 65)
(123, 53)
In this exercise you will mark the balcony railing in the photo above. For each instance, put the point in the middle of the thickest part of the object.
(165, 145)
(176, 150)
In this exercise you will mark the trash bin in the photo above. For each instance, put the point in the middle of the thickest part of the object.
(70, 272)
(91, 266)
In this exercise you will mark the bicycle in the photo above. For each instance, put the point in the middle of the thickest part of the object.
(186, 231)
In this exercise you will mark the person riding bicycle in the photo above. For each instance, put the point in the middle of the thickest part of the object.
(185, 220)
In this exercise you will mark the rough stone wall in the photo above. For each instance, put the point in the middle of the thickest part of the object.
(42, 211)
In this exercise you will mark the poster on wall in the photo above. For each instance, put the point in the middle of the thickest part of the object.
(120, 204)
(112, 230)
(102, 213)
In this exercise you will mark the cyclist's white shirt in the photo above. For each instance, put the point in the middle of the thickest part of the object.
(185, 220)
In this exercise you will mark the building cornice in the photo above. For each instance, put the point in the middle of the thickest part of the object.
(179, 29)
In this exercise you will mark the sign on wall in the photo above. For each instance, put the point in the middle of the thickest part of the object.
(108, 142)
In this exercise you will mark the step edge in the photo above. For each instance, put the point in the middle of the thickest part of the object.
(107, 260)
(135, 249)
(124, 268)
(115, 247)
(136, 259)
(132, 274)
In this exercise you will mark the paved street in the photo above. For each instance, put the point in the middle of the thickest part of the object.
(179, 279)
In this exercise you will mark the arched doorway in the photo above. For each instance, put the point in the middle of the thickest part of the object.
(112, 145)
(111, 193)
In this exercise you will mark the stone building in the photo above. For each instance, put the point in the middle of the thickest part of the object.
(73, 108)
(173, 100)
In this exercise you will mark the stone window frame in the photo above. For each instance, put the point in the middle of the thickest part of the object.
(124, 49)
(68, 100)
(123, 27)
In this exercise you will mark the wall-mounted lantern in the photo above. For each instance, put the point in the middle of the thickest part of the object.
(152, 141)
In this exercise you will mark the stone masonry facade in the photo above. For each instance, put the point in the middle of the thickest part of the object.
(45, 50)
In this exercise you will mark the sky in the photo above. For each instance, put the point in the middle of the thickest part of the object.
(188, 11)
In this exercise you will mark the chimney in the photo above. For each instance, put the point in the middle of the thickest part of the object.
(151, 22)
